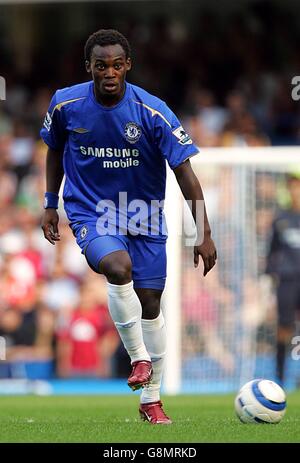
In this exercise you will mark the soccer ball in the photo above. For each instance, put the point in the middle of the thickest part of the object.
(260, 401)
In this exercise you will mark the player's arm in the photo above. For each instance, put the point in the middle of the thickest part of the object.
(192, 191)
(54, 177)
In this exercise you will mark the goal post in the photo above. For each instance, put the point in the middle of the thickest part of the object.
(171, 300)
(221, 328)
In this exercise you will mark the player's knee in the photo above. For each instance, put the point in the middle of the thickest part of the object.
(118, 273)
(151, 309)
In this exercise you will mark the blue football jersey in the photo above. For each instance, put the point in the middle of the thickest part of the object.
(115, 157)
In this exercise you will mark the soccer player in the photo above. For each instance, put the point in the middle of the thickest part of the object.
(112, 139)
(283, 264)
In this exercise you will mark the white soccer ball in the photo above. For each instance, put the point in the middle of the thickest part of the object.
(260, 401)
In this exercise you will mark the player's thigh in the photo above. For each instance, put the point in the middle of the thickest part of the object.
(149, 263)
(287, 302)
(109, 256)
(105, 254)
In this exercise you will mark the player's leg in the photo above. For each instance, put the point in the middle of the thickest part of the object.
(124, 305)
(154, 333)
(149, 270)
(286, 308)
(109, 255)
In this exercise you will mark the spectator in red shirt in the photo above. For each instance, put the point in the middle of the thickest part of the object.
(86, 338)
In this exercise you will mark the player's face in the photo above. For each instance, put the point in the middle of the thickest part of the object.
(108, 66)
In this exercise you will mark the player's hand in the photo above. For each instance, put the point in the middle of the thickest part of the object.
(50, 225)
(208, 252)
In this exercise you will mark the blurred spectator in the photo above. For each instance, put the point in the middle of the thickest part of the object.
(209, 119)
(21, 148)
(60, 290)
(8, 182)
(284, 116)
(242, 130)
(17, 282)
(27, 326)
(86, 337)
(203, 318)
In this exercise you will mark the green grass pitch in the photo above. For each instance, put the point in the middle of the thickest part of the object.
(108, 419)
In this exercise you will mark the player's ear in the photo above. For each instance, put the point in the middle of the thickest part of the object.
(87, 66)
(128, 64)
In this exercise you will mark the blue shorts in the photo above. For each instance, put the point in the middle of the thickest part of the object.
(148, 255)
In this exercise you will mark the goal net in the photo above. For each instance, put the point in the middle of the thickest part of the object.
(221, 328)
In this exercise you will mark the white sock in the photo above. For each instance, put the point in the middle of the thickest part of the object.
(126, 311)
(154, 333)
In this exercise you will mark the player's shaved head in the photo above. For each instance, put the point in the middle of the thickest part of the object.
(105, 37)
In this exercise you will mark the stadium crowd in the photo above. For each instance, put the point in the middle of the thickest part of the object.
(228, 90)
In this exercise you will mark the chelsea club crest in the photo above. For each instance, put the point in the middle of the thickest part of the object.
(84, 231)
(132, 132)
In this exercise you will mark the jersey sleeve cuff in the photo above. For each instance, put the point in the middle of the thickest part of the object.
(185, 159)
(52, 147)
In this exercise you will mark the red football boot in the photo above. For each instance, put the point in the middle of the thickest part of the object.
(153, 412)
(141, 374)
